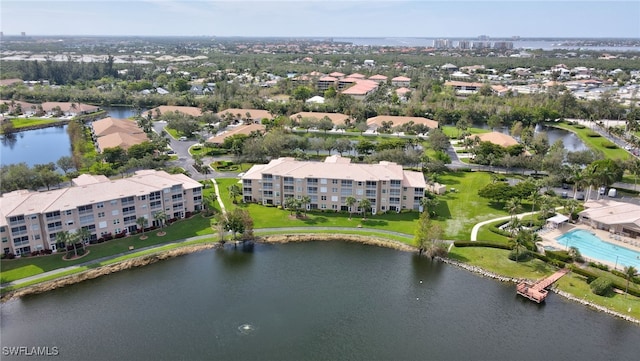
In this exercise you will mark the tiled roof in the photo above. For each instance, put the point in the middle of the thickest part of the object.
(192, 111)
(336, 118)
(254, 113)
(400, 120)
(498, 138)
(245, 129)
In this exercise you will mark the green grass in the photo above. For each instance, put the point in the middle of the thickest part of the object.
(497, 261)
(30, 122)
(577, 286)
(407, 240)
(593, 142)
(453, 132)
(484, 234)
(30, 266)
(459, 211)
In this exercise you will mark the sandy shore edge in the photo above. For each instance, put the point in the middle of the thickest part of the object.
(279, 239)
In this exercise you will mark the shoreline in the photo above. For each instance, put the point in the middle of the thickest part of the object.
(280, 239)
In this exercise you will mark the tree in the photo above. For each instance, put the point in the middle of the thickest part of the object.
(65, 163)
(325, 124)
(629, 272)
(427, 237)
(497, 192)
(496, 121)
(365, 204)
(512, 206)
(160, 217)
(343, 145)
(302, 93)
(234, 192)
(141, 222)
(350, 201)
(304, 201)
(292, 204)
(438, 140)
(429, 203)
(239, 221)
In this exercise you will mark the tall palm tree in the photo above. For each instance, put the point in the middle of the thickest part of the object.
(305, 200)
(160, 217)
(141, 222)
(84, 235)
(535, 198)
(630, 272)
(350, 201)
(63, 237)
(365, 204)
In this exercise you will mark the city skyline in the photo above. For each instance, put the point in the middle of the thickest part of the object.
(349, 18)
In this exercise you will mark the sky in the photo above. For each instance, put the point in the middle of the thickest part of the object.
(323, 18)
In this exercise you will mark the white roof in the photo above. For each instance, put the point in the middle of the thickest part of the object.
(557, 219)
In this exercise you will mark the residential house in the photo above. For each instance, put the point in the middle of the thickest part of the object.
(401, 81)
(111, 133)
(376, 122)
(244, 129)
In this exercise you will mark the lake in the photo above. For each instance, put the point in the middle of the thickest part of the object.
(309, 301)
(36, 146)
(45, 145)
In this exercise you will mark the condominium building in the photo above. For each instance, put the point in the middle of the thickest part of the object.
(30, 221)
(328, 184)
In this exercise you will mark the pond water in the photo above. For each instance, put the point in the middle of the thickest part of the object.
(36, 146)
(572, 142)
(311, 301)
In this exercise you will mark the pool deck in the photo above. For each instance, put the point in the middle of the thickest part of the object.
(549, 239)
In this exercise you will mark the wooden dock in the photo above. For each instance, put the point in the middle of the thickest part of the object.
(538, 291)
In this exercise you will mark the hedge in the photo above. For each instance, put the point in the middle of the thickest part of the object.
(559, 255)
(592, 134)
(609, 145)
(592, 276)
(481, 244)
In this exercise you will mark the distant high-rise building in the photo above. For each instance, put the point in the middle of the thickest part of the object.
(23, 34)
(483, 37)
(441, 43)
(503, 45)
(464, 44)
(481, 45)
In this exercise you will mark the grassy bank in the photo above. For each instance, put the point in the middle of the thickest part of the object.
(593, 142)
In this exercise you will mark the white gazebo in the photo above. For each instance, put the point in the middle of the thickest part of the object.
(557, 220)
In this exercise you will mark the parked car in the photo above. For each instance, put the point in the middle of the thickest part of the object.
(182, 139)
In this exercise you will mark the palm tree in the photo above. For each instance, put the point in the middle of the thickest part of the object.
(141, 222)
(63, 237)
(350, 201)
(365, 204)
(535, 198)
(160, 217)
(84, 235)
(290, 203)
(630, 272)
(304, 201)
(234, 192)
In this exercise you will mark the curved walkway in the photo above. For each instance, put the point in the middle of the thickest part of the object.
(157, 246)
(219, 197)
(476, 228)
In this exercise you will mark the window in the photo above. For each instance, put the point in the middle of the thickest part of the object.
(113, 202)
(334, 190)
(323, 181)
(100, 205)
(115, 212)
(142, 198)
(334, 198)
(323, 198)
(323, 189)
(116, 221)
(100, 214)
(102, 224)
(334, 181)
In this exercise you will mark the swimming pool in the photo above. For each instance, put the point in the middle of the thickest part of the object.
(594, 248)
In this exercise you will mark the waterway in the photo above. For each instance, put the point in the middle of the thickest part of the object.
(517, 44)
(571, 142)
(311, 301)
(41, 146)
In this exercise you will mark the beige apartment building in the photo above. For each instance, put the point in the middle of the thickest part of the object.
(387, 186)
(30, 221)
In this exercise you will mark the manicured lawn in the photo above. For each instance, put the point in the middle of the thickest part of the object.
(453, 132)
(594, 142)
(577, 286)
(484, 234)
(497, 261)
(28, 122)
(29, 266)
(459, 211)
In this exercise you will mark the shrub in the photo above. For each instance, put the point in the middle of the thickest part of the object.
(601, 266)
(601, 286)
(592, 134)
(609, 145)
(563, 256)
(519, 254)
(481, 244)
(578, 126)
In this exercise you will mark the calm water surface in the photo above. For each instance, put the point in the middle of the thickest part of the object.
(314, 301)
(36, 146)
